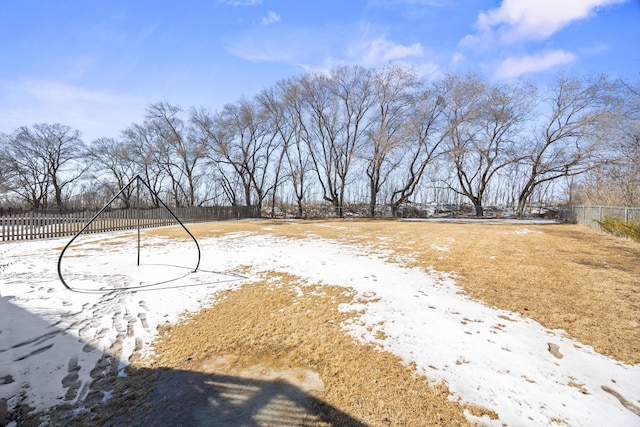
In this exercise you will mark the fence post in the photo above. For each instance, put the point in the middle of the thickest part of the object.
(28, 226)
(599, 213)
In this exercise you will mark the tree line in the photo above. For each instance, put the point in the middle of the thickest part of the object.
(383, 136)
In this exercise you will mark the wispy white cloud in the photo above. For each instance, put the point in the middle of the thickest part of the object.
(263, 49)
(51, 92)
(237, 3)
(457, 58)
(379, 50)
(517, 20)
(271, 18)
(516, 66)
(95, 113)
(325, 47)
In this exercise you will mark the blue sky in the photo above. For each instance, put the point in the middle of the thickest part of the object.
(96, 65)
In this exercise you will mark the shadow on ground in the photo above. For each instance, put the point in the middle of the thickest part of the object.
(185, 398)
(113, 396)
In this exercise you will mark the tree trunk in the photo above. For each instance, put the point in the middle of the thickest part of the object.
(395, 209)
(522, 203)
(477, 204)
(338, 207)
(300, 211)
(372, 201)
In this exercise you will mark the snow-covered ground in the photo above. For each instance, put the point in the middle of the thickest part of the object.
(56, 344)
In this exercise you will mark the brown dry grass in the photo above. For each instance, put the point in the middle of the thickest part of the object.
(563, 276)
(268, 323)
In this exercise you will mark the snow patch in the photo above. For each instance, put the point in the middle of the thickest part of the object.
(55, 343)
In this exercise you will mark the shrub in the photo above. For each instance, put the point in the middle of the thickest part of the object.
(620, 227)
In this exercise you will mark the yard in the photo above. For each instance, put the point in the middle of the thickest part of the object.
(326, 323)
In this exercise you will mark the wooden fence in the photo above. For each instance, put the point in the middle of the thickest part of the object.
(24, 225)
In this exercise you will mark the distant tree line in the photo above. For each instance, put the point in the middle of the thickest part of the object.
(353, 135)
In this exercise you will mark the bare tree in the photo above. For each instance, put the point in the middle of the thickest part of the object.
(272, 101)
(617, 182)
(42, 161)
(297, 157)
(242, 141)
(321, 136)
(485, 125)
(629, 180)
(24, 173)
(337, 107)
(424, 133)
(4, 165)
(394, 87)
(209, 127)
(575, 131)
(355, 134)
(142, 143)
(181, 154)
(113, 166)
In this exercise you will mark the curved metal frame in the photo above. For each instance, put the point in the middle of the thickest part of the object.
(138, 179)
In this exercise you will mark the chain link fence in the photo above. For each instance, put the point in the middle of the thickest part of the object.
(591, 215)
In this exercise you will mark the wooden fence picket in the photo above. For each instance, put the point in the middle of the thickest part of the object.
(18, 224)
